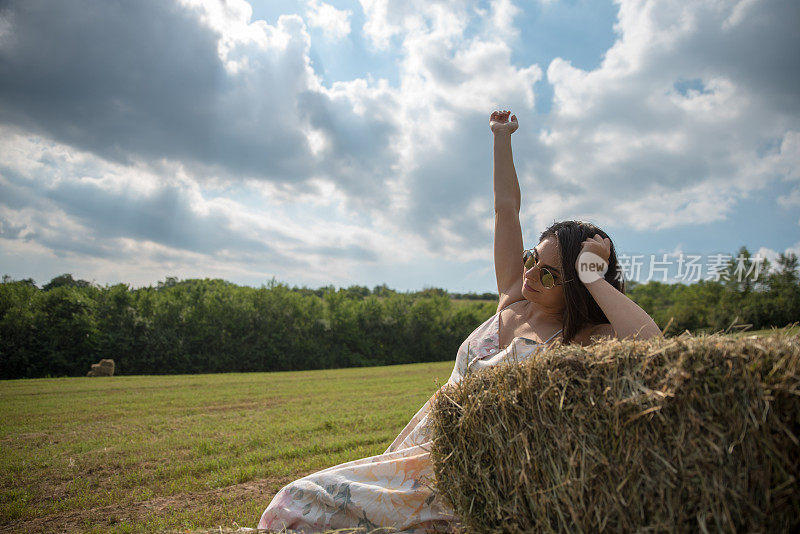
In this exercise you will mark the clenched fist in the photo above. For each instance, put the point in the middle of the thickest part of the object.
(499, 122)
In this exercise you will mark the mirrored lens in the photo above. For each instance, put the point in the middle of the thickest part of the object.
(530, 261)
(547, 279)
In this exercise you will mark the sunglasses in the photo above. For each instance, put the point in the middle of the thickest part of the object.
(547, 278)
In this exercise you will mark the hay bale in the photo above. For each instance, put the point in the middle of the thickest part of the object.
(104, 368)
(681, 434)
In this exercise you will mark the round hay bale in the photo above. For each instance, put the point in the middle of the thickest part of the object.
(104, 368)
(679, 434)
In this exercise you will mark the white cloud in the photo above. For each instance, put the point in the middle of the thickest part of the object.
(792, 200)
(503, 13)
(231, 20)
(386, 18)
(64, 210)
(772, 255)
(451, 76)
(738, 14)
(227, 124)
(627, 137)
(787, 161)
(335, 23)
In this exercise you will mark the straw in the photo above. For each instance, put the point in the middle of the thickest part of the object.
(692, 433)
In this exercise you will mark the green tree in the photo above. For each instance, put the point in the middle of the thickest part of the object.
(65, 280)
(784, 290)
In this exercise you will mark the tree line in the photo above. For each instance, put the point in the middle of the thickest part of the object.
(771, 299)
(210, 326)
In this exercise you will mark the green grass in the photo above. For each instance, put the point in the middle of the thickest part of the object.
(144, 453)
(789, 330)
(469, 302)
(792, 330)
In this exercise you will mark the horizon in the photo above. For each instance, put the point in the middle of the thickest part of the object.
(754, 271)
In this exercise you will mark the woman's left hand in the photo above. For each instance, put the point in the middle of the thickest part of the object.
(594, 265)
(599, 245)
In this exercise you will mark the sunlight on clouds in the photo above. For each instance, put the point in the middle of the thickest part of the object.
(626, 127)
(548, 206)
(364, 95)
(49, 227)
(231, 20)
(646, 29)
(443, 74)
(718, 100)
(317, 192)
(335, 23)
(16, 224)
(253, 167)
(664, 207)
(288, 221)
(385, 19)
(47, 162)
(572, 95)
(317, 141)
(316, 219)
(491, 77)
(376, 25)
(792, 200)
(783, 163)
(738, 14)
(151, 262)
(502, 14)
(787, 163)
(445, 77)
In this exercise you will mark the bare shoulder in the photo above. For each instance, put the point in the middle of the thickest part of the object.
(512, 309)
(593, 332)
(510, 321)
(510, 296)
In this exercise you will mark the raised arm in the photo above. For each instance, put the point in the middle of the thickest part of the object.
(507, 230)
(626, 318)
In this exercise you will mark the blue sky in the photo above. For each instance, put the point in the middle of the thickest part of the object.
(347, 142)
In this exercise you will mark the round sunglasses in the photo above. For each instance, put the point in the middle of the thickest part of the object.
(547, 278)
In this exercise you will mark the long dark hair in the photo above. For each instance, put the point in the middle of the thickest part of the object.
(581, 308)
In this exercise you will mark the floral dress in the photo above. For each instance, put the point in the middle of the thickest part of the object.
(392, 489)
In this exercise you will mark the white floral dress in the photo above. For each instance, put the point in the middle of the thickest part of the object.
(392, 489)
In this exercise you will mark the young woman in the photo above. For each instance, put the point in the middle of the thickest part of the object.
(567, 286)
(549, 289)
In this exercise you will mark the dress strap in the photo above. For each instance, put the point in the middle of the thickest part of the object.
(551, 337)
(508, 305)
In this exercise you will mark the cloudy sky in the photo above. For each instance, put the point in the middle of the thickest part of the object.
(348, 143)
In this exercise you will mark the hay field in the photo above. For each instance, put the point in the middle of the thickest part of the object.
(145, 453)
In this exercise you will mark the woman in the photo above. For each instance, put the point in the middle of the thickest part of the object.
(543, 297)
(567, 285)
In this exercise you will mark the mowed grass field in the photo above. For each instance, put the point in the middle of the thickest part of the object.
(183, 452)
(791, 330)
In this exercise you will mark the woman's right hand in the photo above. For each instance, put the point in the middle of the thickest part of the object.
(499, 122)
